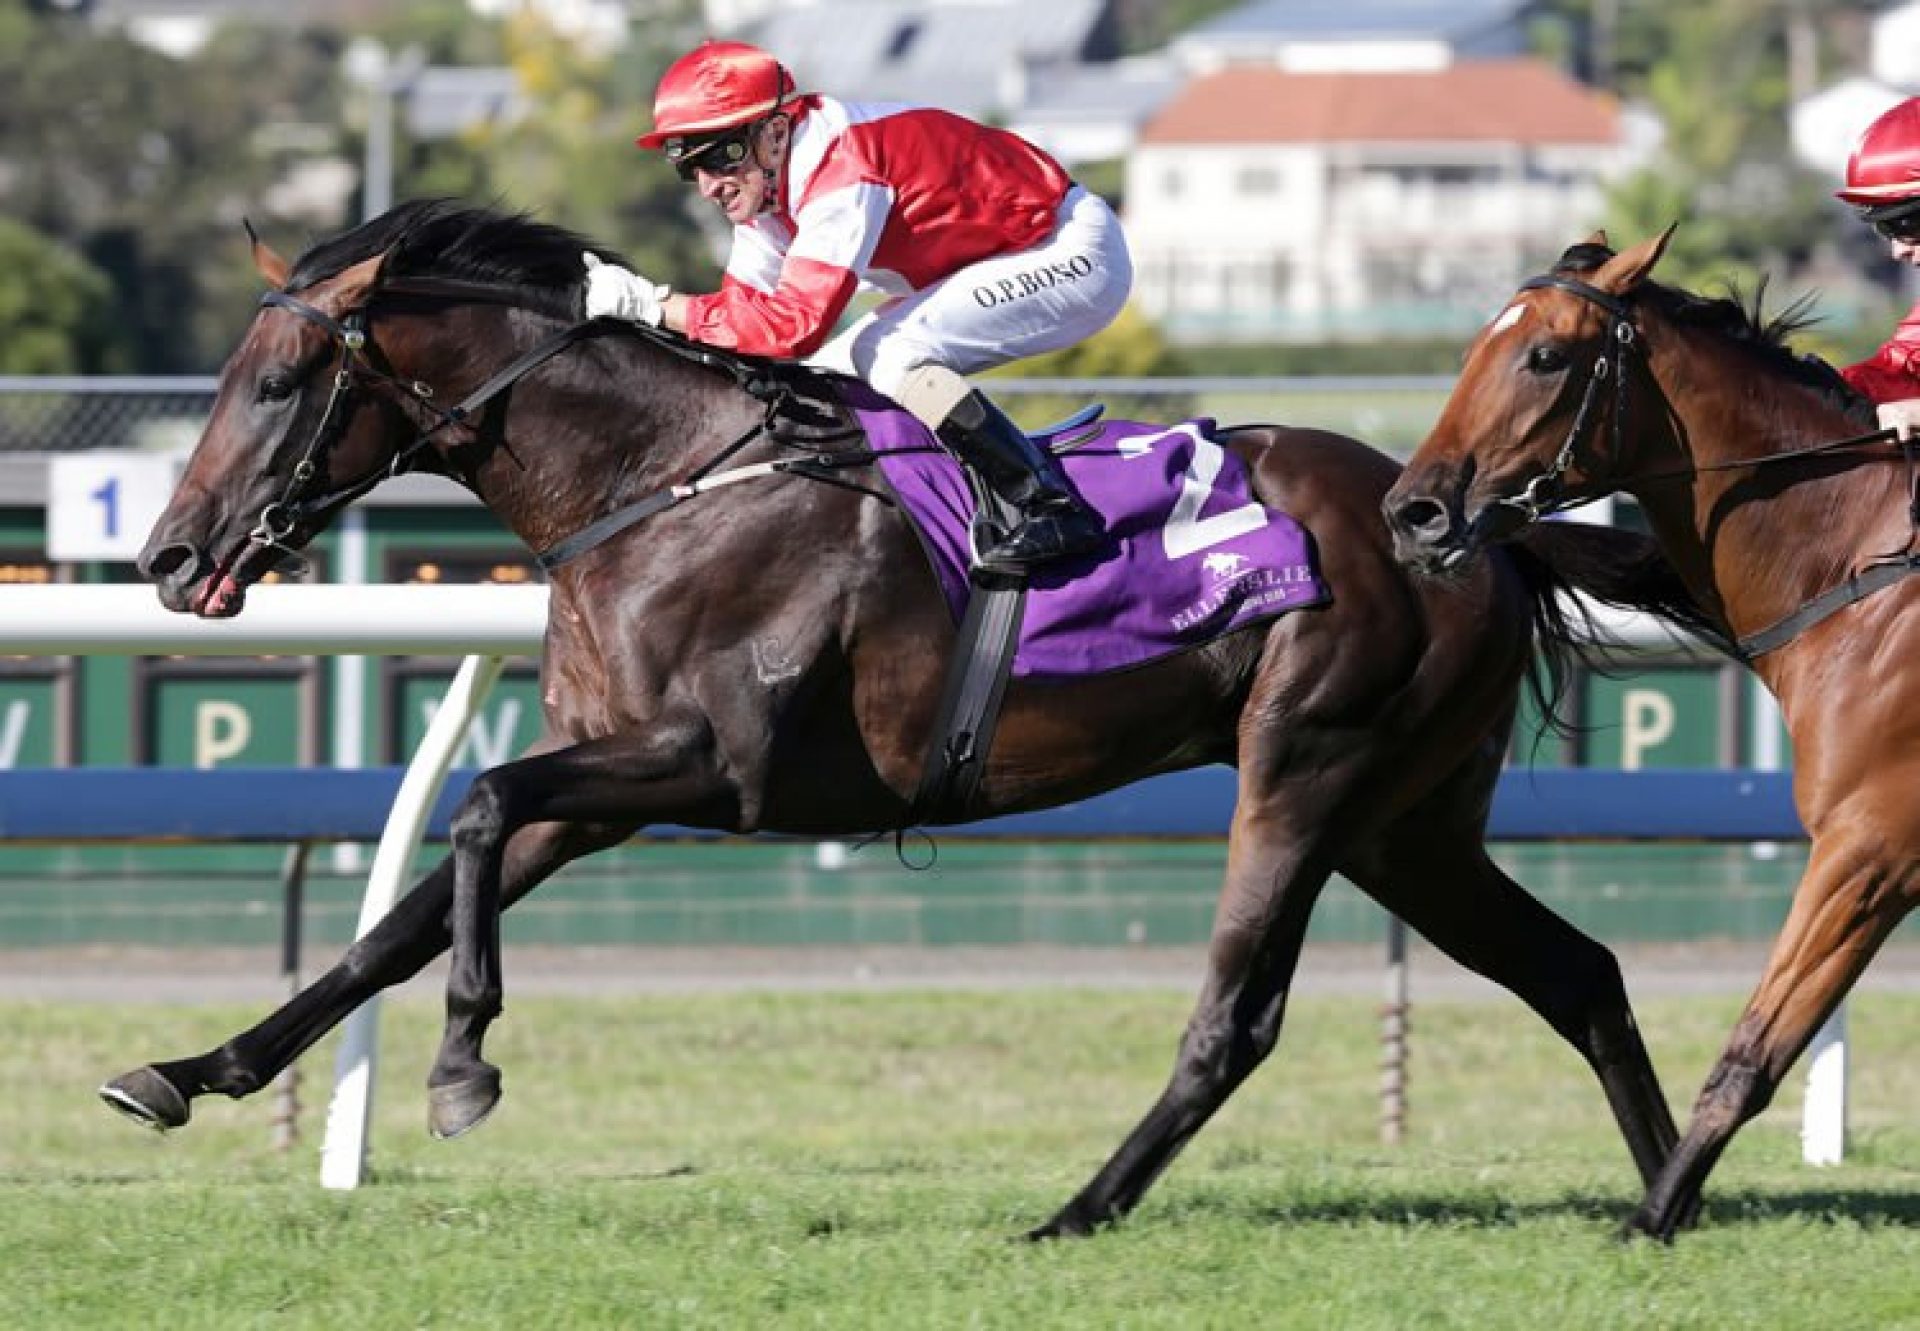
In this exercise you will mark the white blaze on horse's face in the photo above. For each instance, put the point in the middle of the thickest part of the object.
(1508, 318)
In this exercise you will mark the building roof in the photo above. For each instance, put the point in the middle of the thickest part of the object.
(953, 55)
(1348, 20)
(1505, 101)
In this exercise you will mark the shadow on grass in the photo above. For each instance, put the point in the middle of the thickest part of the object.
(1827, 1205)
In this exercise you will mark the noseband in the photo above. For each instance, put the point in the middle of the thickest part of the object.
(1546, 493)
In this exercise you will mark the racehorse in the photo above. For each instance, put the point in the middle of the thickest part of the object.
(1367, 732)
(1789, 518)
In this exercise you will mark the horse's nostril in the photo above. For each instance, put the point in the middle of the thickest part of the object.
(168, 560)
(1423, 517)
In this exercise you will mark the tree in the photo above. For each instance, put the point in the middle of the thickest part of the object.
(572, 159)
(1716, 74)
(145, 165)
(55, 307)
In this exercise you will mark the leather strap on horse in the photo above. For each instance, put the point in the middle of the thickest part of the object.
(1875, 577)
(970, 705)
(976, 678)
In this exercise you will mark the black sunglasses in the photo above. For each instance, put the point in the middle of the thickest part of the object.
(721, 154)
(1906, 229)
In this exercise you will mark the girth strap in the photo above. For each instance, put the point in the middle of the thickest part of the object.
(970, 704)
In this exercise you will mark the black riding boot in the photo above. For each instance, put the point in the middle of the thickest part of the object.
(1054, 521)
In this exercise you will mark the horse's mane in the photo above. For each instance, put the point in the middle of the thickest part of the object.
(446, 238)
(1743, 325)
(539, 265)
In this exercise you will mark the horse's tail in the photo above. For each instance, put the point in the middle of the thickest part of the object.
(1561, 562)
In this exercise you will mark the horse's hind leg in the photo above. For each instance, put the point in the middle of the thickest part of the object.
(669, 775)
(411, 935)
(1432, 869)
(1274, 875)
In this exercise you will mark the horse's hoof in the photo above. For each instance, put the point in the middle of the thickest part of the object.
(462, 1106)
(1642, 1224)
(1066, 1225)
(148, 1098)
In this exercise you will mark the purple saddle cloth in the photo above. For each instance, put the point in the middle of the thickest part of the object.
(1190, 553)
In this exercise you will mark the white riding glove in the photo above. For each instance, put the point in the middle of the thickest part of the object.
(1903, 417)
(618, 293)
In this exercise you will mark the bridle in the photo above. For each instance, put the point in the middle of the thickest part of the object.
(360, 360)
(1547, 492)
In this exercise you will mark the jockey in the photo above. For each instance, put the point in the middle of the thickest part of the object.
(984, 250)
(1883, 183)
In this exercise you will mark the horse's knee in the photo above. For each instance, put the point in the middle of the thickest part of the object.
(1737, 1090)
(1214, 1052)
(481, 822)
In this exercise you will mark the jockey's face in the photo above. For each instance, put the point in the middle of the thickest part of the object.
(743, 191)
(1903, 236)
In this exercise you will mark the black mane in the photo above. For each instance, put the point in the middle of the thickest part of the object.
(446, 238)
(1744, 325)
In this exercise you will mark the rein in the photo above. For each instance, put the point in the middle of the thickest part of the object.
(1545, 494)
(283, 516)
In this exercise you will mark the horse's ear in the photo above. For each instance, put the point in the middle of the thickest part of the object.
(1623, 272)
(1599, 237)
(270, 265)
(354, 285)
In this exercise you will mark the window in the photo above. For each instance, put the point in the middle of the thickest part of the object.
(904, 37)
(1258, 180)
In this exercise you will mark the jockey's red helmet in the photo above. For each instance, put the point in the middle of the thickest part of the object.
(1885, 165)
(717, 86)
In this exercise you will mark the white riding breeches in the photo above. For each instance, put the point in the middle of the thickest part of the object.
(1051, 295)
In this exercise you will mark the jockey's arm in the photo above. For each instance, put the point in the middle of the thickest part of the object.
(793, 314)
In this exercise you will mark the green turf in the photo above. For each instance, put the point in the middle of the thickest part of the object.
(862, 1160)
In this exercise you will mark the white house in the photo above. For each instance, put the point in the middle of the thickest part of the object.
(1273, 205)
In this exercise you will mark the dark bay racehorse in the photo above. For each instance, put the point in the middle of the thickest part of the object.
(1765, 481)
(1367, 734)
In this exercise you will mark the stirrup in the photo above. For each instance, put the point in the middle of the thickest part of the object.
(1043, 538)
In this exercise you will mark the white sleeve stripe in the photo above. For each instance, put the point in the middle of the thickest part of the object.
(753, 261)
(842, 227)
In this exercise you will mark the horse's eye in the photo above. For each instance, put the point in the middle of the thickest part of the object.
(276, 388)
(1546, 360)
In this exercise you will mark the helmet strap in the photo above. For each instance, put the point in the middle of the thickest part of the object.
(770, 200)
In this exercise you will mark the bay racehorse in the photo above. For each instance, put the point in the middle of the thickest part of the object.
(1791, 519)
(1367, 732)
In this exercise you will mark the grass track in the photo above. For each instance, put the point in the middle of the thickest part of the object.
(861, 1160)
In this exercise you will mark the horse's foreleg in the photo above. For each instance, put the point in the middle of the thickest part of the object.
(1852, 896)
(1271, 886)
(411, 935)
(1432, 870)
(626, 781)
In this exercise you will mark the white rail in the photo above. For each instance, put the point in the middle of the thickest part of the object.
(54, 619)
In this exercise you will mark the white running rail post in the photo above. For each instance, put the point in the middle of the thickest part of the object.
(1823, 1119)
(343, 1155)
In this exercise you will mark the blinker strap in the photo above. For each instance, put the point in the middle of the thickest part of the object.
(350, 337)
(1606, 300)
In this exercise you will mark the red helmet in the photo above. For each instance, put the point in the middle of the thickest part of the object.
(716, 86)
(1885, 165)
